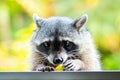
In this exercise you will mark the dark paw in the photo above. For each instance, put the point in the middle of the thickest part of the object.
(68, 66)
(73, 65)
(46, 69)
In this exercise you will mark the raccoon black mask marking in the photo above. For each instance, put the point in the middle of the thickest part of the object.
(57, 45)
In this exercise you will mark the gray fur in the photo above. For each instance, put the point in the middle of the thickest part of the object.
(70, 29)
(48, 26)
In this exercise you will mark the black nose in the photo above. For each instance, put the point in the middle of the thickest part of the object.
(58, 60)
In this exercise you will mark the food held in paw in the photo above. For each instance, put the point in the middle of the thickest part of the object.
(59, 68)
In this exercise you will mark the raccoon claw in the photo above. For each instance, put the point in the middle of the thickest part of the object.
(46, 69)
(73, 65)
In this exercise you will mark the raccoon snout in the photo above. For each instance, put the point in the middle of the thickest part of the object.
(58, 60)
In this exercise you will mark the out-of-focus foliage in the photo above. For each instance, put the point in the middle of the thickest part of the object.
(16, 26)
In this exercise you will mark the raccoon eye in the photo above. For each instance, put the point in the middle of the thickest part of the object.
(45, 44)
(68, 45)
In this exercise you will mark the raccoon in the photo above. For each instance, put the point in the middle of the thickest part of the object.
(62, 40)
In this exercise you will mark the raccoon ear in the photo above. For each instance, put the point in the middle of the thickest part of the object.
(78, 23)
(37, 20)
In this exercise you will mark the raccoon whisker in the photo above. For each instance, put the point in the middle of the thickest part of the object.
(44, 56)
(73, 51)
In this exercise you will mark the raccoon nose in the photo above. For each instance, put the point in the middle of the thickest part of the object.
(58, 60)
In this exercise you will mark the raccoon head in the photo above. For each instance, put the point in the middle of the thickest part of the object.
(57, 37)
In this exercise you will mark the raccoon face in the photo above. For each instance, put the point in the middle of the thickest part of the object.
(57, 51)
(56, 37)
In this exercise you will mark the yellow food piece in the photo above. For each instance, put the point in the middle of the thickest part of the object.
(59, 68)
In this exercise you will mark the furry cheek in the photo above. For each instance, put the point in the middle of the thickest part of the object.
(50, 58)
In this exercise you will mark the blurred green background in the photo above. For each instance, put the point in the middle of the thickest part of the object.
(16, 26)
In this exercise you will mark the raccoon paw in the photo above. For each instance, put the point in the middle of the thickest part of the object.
(45, 69)
(73, 65)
